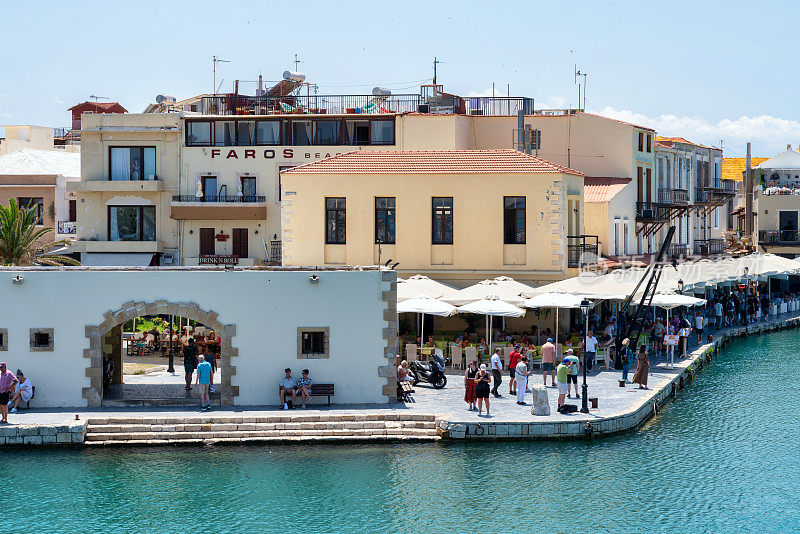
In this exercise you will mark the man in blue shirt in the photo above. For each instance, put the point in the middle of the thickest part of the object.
(203, 381)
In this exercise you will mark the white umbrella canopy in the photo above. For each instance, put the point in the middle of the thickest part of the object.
(426, 304)
(422, 285)
(668, 301)
(554, 300)
(502, 290)
(492, 305)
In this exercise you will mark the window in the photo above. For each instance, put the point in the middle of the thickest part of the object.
(131, 223)
(73, 210)
(442, 221)
(248, 188)
(649, 143)
(198, 133)
(335, 220)
(209, 184)
(240, 247)
(302, 132)
(268, 133)
(716, 218)
(617, 237)
(625, 237)
(641, 142)
(3, 339)
(37, 204)
(313, 342)
(207, 242)
(224, 133)
(382, 132)
(384, 220)
(133, 163)
(514, 220)
(327, 132)
(41, 340)
(536, 139)
(246, 133)
(356, 132)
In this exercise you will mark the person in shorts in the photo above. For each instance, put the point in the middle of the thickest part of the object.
(288, 387)
(303, 387)
(549, 362)
(699, 324)
(513, 359)
(572, 376)
(7, 383)
(203, 381)
(189, 361)
(562, 371)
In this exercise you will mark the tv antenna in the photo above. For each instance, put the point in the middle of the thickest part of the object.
(214, 61)
(297, 62)
(577, 75)
(96, 98)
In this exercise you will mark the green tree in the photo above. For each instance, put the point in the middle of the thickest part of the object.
(19, 236)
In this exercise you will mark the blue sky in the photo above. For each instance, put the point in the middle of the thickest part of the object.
(703, 70)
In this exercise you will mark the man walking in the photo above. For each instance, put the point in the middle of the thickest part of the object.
(699, 324)
(513, 360)
(497, 372)
(549, 362)
(561, 378)
(521, 377)
(718, 314)
(589, 350)
(573, 365)
(203, 381)
(189, 361)
(7, 383)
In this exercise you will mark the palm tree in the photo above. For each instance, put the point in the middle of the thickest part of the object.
(19, 236)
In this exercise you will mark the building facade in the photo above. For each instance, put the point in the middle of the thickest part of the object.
(454, 215)
(776, 204)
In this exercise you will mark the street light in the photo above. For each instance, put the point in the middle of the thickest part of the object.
(585, 305)
(171, 365)
(680, 287)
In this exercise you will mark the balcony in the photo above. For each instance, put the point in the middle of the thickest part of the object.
(121, 186)
(677, 197)
(653, 212)
(779, 238)
(219, 208)
(582, 250)
(707, 247)
(678, 250)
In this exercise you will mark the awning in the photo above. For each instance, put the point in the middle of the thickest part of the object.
(116, 259)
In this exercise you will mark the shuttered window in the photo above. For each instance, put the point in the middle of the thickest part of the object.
(240, 242)
(207, 247)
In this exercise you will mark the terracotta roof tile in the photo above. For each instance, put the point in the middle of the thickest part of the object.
(732, 168)
(431, 162)
(670, 141)
(602, 188)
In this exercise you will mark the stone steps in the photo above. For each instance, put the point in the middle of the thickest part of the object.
(210, 429)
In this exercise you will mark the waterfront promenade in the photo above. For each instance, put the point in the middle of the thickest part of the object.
(433, 414)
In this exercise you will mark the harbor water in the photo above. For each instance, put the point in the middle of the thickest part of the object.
(722, 457)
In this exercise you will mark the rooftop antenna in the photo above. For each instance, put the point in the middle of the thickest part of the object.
(96, 98)
(578, 74)
(297, 63)
(435, 63)
(214, 61)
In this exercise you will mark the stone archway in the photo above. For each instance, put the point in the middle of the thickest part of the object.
(112, 318)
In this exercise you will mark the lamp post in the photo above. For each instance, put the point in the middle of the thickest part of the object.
(585, 305)
(680, 287)
(171, 366)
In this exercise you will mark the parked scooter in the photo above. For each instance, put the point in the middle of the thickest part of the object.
(431, 371)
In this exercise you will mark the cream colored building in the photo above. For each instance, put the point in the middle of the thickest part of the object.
(776, 204)
(18, 137)
(455, 215)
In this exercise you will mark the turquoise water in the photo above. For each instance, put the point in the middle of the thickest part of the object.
(723, 457)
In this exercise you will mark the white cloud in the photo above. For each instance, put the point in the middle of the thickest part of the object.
(58, 101)
(486, 92)
(769, 135)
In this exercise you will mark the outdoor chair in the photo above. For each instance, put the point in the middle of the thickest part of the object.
(603, 355)
(470, 355)
(456, 357)
(411, 353)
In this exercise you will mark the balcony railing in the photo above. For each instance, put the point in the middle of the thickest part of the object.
(498, 105)
(673, 196)
(779, 237)
(705, 247)
(67, 227)
(678, 249)
(652, 212)
(275, 257)
(582, 250)
(219, 198)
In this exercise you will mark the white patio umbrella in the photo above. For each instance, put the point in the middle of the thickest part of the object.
(491, 306)
(557, 300)
(424, 304)
(500, 289)
(422, 285)
(668, 301)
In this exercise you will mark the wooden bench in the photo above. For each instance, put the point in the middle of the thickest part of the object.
(321, 390)
(404, 390)
(33, 394)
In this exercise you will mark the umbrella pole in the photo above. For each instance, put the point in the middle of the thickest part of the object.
(422, 332)
(557, 331)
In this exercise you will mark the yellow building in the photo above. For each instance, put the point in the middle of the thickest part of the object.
(456, 215)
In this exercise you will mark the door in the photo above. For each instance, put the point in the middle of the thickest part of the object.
(248, 189)
(209, 188)
(649, 185)
(240, 242)
(73, 210)
(207, 244)
(639, 185)
(788, 225)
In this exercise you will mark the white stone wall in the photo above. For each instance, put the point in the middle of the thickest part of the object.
(265, 308)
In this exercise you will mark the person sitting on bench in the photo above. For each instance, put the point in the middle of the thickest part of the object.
(23, 391)
(304, 387)
(288, 385)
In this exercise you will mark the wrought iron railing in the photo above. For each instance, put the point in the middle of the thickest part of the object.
(673, 196)
(706, 247)
(582, 250)
(275, 257)
(652, 212)
(498, 105)
(679, 249)
(779, 237)
(219, 198)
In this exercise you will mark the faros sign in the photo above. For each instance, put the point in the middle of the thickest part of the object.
(268, 153)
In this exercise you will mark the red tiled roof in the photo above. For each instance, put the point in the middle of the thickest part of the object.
(431, 162)
(670, 141)
(102, 105)
(602, 188)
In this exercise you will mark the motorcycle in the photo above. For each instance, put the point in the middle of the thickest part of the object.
(431, 371)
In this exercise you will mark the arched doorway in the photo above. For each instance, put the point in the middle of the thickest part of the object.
(130, 310)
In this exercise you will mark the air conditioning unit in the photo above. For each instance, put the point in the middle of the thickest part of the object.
(424, 108)
(171, 257)
(647, 214)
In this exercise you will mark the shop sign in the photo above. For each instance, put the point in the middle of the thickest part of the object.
(218, 260)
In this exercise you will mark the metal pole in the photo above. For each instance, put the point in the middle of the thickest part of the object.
(585, 388)
(171, 366)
